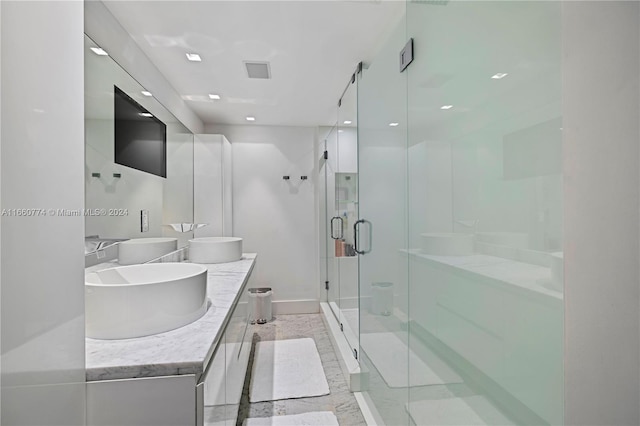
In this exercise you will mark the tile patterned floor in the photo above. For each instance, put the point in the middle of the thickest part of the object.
(341, 401)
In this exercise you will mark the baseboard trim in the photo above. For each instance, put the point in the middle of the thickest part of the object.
(289, 307)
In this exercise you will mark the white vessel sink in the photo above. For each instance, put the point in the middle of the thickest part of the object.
(141, 300)
(447, 244)
(140, 250)
(511, 239)
(215, 249)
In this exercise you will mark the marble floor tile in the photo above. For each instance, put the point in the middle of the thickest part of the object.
(340, 401)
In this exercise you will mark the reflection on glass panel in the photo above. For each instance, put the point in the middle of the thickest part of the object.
(323, 216)
(126, 191)
(333, 229)
(382, 203)
(460, 155)
(485, 213)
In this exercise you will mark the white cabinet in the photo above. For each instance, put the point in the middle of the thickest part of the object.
(238, 348)
(153, 401)
(212, 186)
(214, 388)
(227, 371)
(211, 399)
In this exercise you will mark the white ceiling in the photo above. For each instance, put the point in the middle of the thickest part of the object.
(313, 47)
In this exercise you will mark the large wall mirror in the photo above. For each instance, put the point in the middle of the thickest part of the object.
(116, 195)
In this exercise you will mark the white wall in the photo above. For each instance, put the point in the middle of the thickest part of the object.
(0, 204)
(107, 32)
(601, 185)
(42, 256)
(277, 218)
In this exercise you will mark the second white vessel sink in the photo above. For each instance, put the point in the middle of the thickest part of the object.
(447, 244)
(215, 249)
(141, 250)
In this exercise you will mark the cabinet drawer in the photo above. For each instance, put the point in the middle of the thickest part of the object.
(149, 401)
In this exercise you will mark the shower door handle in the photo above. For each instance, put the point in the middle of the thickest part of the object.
(341, 236)
(356, 235)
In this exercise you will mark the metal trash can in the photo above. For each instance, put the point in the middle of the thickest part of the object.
(260, 305)
(382, 298)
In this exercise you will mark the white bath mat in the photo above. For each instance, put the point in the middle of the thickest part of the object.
(470, 411)
(284, 369)
(389, 355)
(316, 418)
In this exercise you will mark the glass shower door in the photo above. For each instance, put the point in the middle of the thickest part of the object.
(460, 217)
(339, 211)
(381, 233)
(346, 213)
(331, 226)
(484, 212)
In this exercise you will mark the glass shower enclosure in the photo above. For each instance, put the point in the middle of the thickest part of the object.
(459, 229)
(339, 177)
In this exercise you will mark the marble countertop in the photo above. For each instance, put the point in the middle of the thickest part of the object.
(186, 350)
(518, 276)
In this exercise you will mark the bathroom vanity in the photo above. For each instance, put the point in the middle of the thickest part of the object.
(180, 376)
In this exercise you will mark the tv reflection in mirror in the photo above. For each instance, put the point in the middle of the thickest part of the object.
(140, 138)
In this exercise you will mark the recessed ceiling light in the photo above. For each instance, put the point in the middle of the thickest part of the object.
(446, 107)
(340, 131)
(213, 96)
(347, 122)
(249, 118)
(144, 92)
(99, 51)
(194, 57)
(499, 75)
(393, 124)
(145, 114)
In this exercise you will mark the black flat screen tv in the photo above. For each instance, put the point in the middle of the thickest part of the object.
(140, 138)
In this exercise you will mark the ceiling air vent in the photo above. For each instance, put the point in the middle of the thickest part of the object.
(258, 69)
